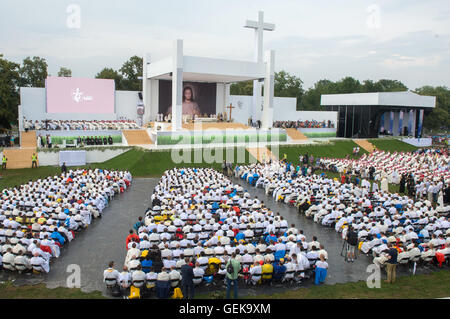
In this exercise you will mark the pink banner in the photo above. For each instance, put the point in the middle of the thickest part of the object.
(79, 95)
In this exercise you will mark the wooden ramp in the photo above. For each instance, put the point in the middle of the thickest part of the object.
(28, 139)
(295, 134)
(137, 137)
(365, 144)
(261, 153)
(19, 157)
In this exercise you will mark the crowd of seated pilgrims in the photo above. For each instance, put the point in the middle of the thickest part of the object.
(304, 124)
(80, 125)
(199, 217)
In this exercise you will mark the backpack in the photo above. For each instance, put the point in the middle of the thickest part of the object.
(352, 239)
(177, 294)
(230, 268)
(135, 293)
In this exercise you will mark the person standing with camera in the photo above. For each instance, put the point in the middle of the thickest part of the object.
(352, 242)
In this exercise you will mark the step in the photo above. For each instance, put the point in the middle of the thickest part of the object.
(365, 144)
(28, 139)
(137, 137)
(295, 134)
(261, 153)
(19, 157)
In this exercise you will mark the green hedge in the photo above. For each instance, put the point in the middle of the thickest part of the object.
(320, 134)
(221, 138)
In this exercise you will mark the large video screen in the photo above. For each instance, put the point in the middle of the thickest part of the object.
(79, 95)
(198, 98)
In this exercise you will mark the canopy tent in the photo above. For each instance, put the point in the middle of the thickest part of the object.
(362, 114)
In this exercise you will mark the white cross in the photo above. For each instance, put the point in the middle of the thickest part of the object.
(259, 27)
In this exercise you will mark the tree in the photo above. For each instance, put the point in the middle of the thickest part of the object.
(287, 85)
(64, 72)
(33, 72)
(9, 92)
(311, 98)
(439, 116)
(108, 73)
(242, 88)
(385, 85)
(348, 85)
(131, 70)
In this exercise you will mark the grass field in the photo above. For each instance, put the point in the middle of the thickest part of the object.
(336, 149)
(392, 145)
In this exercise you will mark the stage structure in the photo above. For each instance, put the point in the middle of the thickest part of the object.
(365, 115)
(193, 73)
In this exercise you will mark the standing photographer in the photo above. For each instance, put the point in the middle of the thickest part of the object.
(352, 242)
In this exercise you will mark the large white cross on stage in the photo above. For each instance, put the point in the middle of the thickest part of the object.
(260, 26)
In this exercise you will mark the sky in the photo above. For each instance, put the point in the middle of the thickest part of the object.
(406, 40)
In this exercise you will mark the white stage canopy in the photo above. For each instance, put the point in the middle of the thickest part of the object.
(401, 99)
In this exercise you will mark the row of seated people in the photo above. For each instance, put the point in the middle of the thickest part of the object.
(94, 140)
(80, 141)
(83, 125)
(411, 251)
(38, 219)
(304, 124)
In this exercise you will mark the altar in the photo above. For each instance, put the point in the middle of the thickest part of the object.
(206, 120)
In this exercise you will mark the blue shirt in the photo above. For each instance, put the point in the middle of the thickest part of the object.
(146, 264)
(278, 271)
(57, 236)
(239, 236)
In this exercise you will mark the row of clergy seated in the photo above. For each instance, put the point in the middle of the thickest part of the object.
(214, 272)
(95, 140)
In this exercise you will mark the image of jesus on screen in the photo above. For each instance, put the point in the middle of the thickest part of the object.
(190, 106)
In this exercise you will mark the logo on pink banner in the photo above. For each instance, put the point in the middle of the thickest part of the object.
(79, 95)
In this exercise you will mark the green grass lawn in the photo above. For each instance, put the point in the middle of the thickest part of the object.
(336, 149)
(152, 164)
(392, 145)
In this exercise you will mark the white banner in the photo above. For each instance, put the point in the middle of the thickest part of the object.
(72, 158)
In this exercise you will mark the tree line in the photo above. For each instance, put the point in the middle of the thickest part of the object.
(33, 72)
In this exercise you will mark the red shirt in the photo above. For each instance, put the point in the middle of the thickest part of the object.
(130, 237)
